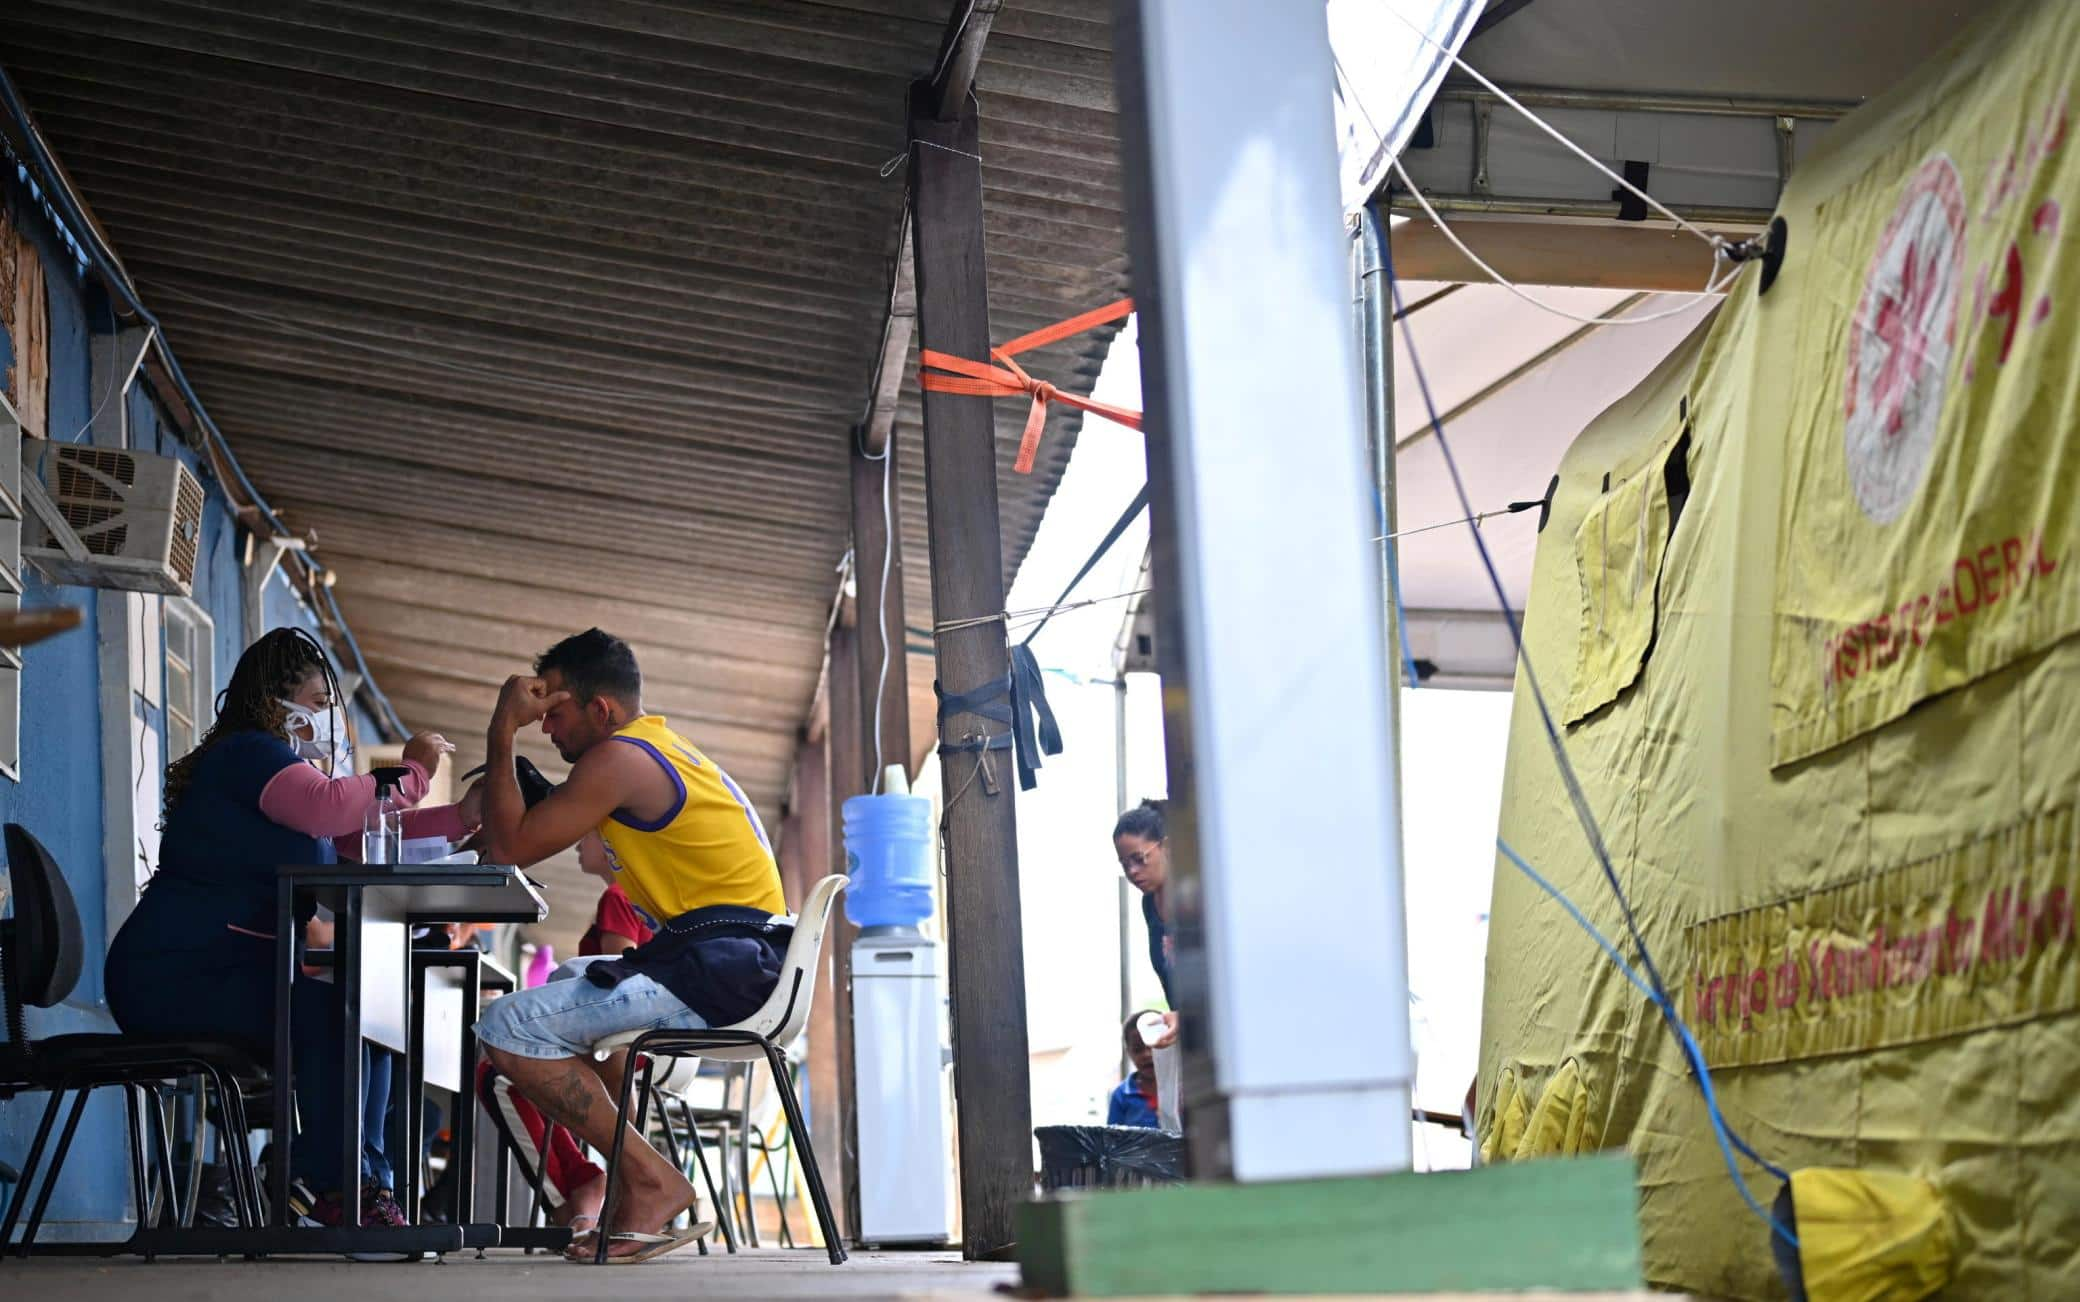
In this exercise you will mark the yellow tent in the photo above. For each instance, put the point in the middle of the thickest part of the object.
(1803, 614)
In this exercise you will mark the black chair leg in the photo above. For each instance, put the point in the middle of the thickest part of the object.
(745, 1188)
(770, 1151)
(536, 1213)
(29, 1166)
(238, 1133)
(233, 1144)
(621, 1114)
(782, 1180)
(198, 1156)
(50, 1179)
(798, 1134)
(671, 1135)
(510, 1157)
(723, 1214)
(677, 1158)
(138, 1189)
(163, 1141)
(723, 1163)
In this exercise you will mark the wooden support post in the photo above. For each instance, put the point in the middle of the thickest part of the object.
(990, 1064)
(791, 844)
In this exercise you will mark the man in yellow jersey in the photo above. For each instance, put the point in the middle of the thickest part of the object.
(688, 850)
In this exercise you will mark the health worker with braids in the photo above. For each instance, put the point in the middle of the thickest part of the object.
(196, 957)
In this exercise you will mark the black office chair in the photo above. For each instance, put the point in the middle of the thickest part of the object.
(41, 953)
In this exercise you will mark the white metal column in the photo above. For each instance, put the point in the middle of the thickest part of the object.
(1286, 876)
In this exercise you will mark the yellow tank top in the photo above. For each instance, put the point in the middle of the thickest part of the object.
(708, 849)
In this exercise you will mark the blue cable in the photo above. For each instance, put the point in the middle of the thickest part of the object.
(1691, 1051)
(1728, 1139)
(1576, 796)
(1652, 984)
(1581, 919)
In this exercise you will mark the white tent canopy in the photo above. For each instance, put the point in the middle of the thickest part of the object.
(1515, 384)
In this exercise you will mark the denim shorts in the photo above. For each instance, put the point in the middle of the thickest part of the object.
(567, 1016)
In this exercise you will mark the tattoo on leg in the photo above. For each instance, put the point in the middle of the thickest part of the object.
(568, 1098)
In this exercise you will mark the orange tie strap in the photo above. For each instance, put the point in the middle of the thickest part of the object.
(945, 373)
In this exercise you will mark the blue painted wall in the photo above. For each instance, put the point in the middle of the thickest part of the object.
(60, 791)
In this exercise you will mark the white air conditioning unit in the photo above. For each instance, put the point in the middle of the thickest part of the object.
(111, 518)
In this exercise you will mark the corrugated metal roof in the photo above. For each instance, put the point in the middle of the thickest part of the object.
(547, 313)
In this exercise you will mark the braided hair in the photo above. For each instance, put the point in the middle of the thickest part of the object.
(269, 672)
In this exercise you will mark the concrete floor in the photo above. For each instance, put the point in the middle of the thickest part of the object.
(507, 1277)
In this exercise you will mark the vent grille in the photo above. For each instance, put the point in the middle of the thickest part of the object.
(187, 528)
(89, 490)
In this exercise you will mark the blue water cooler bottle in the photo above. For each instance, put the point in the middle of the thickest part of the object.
(898, 1017)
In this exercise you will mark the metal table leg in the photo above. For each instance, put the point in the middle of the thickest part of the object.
(415, 1091)
(346, 947)
(284, 1095)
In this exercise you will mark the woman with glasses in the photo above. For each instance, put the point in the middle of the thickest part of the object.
(1144, 856)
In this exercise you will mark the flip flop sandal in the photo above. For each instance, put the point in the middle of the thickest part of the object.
(655, 1245)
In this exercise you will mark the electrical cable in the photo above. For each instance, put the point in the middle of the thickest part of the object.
(1479, 518)
(1577, 797)
(1042, 613)
(113, 383)
(1721, 249)
(88, 238)
(1717, 242)
(888, 555)
(1728, 1140)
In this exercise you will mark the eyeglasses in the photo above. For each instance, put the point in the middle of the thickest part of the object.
(1138, 859)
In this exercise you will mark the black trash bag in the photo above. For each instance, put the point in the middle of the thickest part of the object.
(1074, 1157)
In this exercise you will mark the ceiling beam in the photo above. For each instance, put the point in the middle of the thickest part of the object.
(960, 54)
(1532, 251)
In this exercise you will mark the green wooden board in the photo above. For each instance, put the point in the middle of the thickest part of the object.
(1568, 1224)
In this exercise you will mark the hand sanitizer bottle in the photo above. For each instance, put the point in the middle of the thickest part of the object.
(382, 832)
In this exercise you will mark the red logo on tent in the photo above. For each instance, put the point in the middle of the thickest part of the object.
(1901, 339)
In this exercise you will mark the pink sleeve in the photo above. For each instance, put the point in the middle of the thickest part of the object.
(435, 820)
(305, 800)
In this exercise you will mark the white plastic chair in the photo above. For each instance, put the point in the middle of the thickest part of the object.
(765, 1034)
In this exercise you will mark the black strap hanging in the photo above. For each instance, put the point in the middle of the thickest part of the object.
(1032, 729)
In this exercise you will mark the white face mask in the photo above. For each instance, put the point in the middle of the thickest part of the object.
(327, 740)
